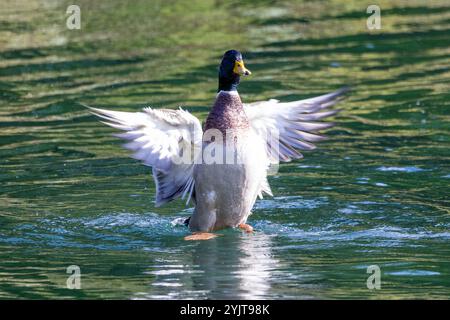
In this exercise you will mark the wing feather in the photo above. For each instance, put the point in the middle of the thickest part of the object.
(292, 125)
(158, 137)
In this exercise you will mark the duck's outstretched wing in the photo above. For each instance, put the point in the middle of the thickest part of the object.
(160, 138)
(291, 126)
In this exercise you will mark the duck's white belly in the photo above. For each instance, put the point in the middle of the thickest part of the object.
(225, 193)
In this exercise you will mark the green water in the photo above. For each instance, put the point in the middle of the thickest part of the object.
(375, 193)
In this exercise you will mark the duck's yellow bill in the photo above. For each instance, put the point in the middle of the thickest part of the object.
(240, 69)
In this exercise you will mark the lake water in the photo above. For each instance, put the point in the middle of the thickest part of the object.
(375, 193)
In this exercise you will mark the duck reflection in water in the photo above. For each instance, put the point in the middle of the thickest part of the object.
(244, 273)
(209, 269)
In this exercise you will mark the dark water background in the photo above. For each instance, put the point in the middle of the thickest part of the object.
(375, 193)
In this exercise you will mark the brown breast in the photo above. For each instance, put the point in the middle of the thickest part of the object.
(227, 113)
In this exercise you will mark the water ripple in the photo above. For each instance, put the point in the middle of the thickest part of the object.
(401, 169)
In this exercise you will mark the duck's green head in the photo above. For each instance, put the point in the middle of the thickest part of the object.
(231, 69)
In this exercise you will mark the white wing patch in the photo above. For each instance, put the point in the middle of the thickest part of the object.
(291, 126)
(286, 127)
(157, 137)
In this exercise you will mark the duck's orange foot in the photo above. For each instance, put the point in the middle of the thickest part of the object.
(200, 236)
(246, 227)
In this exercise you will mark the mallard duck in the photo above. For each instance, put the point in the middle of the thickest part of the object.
(221, 168)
